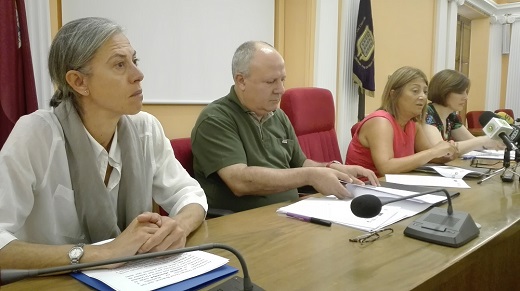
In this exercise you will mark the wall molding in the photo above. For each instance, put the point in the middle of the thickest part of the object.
(489, 7)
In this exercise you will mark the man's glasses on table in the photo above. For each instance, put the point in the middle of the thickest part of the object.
(372, 236)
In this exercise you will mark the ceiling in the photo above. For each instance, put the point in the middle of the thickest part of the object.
(468, 11)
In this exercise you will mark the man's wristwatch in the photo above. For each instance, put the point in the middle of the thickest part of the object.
(332, 162)
(76, 253)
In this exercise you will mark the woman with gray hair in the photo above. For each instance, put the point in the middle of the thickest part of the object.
(88, 169)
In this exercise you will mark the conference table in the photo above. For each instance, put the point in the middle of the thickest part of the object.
(288, 254)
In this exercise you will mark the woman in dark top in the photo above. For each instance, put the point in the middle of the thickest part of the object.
(448, 93)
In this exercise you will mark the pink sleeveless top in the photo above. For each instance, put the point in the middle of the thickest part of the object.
(404, 142)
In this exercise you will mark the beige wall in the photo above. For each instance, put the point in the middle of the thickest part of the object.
(177, 120)
(478, 64)
(404, 35)
(296, 40)
(408, 38)
(503, 87)
(55, 10)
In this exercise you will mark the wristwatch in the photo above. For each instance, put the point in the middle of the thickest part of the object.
(76, 253)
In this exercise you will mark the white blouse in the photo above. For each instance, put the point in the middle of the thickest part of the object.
(36, 196)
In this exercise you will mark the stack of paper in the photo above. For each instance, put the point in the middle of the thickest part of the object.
(338, 211)
(487, 154)
(453, 172)
(426, 180)
(178, 272)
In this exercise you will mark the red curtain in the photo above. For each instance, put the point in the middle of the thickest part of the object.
(17, 88)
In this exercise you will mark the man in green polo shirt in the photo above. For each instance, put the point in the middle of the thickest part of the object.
(246, 153)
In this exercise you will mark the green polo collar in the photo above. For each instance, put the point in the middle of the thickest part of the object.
(234, 98)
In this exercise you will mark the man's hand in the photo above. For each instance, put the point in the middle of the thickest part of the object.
(329, 181)
(358, 171)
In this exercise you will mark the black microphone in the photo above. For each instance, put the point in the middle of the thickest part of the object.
(495, 127)
(368, 206)
(10, 276)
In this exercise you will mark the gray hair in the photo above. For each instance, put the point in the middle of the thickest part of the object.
(73, 48)
(243, 56)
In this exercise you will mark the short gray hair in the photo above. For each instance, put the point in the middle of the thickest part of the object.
(243, 56)
(73, 48)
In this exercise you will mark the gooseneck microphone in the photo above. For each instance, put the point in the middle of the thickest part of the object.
(495, 127)
(449, 228)
(368, 206)
(10, 276)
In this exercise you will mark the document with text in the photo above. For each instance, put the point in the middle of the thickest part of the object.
(339, 212)
(487, 154)
(151, 274)
(454, 172)
(421, 180)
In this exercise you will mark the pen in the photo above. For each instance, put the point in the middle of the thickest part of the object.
(309, 219)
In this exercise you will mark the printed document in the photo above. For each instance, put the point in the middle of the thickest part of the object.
(453, 172)
(151, 274)
(487, 154)
(422, 180)
(338, 211)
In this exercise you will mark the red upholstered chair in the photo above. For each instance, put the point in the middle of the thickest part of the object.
(312, 114)
(472, 119)
(182, 150)
(473, 123)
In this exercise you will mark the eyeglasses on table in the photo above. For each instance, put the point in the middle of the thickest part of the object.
(477, 163)
(372, 236)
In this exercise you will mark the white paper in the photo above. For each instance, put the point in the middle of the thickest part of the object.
(451, 172)
(155, 273)
(487, 154)
(357, 190)
(338, 211)
(424, 180)
(407, 208)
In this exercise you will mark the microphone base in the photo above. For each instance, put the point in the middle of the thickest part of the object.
(235, 283)
(437, 226)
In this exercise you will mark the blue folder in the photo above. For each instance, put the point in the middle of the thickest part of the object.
(194, 283)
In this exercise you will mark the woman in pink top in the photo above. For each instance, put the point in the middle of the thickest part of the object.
(389, 140)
